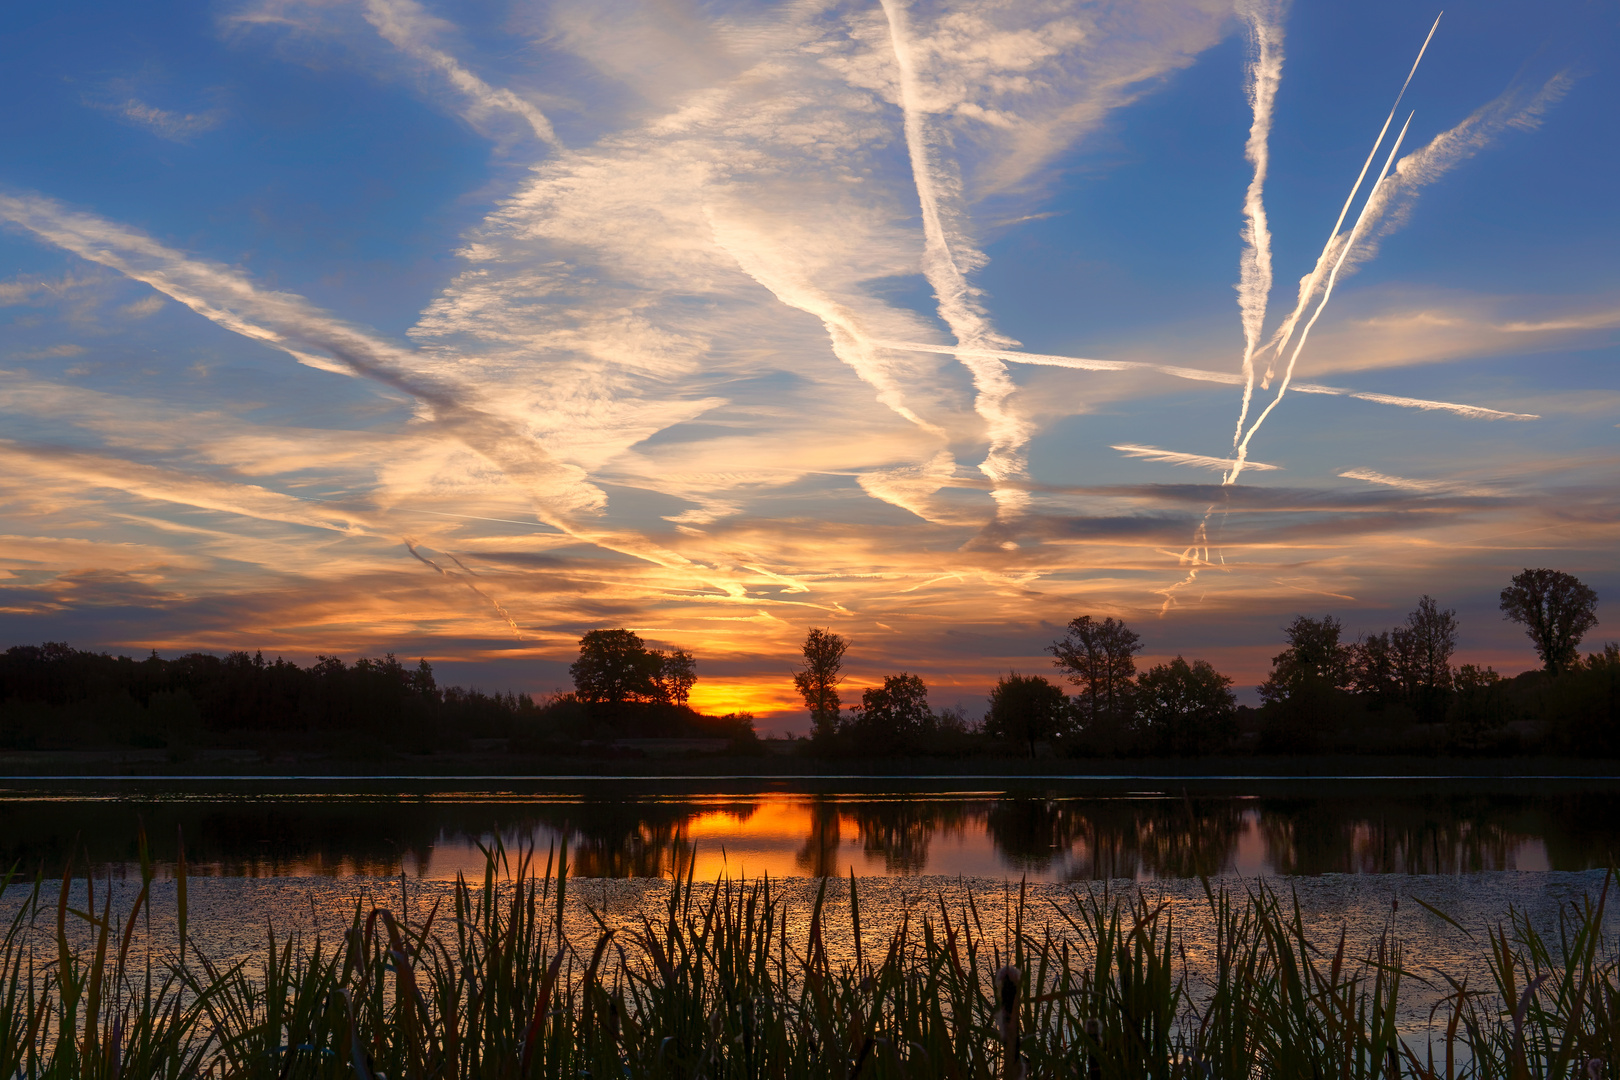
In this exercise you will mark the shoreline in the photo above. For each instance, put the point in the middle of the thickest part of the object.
(113, 767)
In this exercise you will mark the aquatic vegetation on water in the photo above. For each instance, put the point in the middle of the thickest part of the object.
(731, 981)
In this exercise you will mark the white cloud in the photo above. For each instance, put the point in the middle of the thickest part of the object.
(119, 99)
(140, 309)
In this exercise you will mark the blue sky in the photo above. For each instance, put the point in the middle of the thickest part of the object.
(456, 331)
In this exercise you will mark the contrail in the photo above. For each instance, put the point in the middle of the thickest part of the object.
(1080, 363)
(1308, 285)
(1284, 333)
(161, 484)
(1175, 457)
(1327, 294)
(403, 23)
(288, 322)
(850, 341)
(1254, 267)
(1426, 487)
(1476, 412)
(958, 301)
(410, 545)
(1393, 202)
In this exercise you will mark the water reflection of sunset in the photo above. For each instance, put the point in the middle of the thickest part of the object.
(624, 829)
(1050, 839)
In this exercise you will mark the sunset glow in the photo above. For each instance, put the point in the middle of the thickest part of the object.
(394, 326)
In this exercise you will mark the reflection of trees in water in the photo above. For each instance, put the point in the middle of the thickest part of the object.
(897, 831)
(900, 832)
(1198, 836)
(1586, 835)
(1369, 829)
(1431, 834)
(609, 837)
(1117, 838)
(619, 839)
(235, 838)
(648, 849)
(1030, 833)
(818, 857)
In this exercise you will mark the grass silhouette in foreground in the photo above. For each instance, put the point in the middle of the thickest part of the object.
(732, 982)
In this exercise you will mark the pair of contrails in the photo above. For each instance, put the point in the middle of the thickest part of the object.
(1316, 282)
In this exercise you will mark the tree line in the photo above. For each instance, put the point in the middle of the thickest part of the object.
(1391, 691)
(53, 697)
(1178, 708)
(56, 697)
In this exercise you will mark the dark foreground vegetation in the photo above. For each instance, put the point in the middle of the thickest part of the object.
(731, 982)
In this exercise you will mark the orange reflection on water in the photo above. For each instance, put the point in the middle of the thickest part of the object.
(1048, 836)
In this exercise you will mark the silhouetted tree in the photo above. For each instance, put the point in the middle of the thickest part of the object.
(1433, 638)
(892, 717)
(1313, 656)
(614, 667)
(1304, 694)
(676, 676)
(1556, 609)
(1374, 669)
(1186, 708)
(1025, 709)
(1422, 652)
(1478, 708)
(1100, 658)
(817, 682)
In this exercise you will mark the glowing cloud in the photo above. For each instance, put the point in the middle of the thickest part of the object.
(728, 365)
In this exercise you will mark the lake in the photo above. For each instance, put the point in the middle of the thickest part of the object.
(1049, 829)
(306, 854)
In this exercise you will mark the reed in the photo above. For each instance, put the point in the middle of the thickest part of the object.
(731, 981)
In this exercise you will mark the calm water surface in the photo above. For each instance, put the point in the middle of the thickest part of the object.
(306, 855)
(1048, 830)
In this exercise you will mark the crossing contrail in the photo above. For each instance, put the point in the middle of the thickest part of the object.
(1254, 267)
(775, 270)
(1175, 457)
(1327, 294)
(1336, 251)
(1309, 284)
(560, 492)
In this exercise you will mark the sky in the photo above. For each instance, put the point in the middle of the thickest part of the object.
(344, 327)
